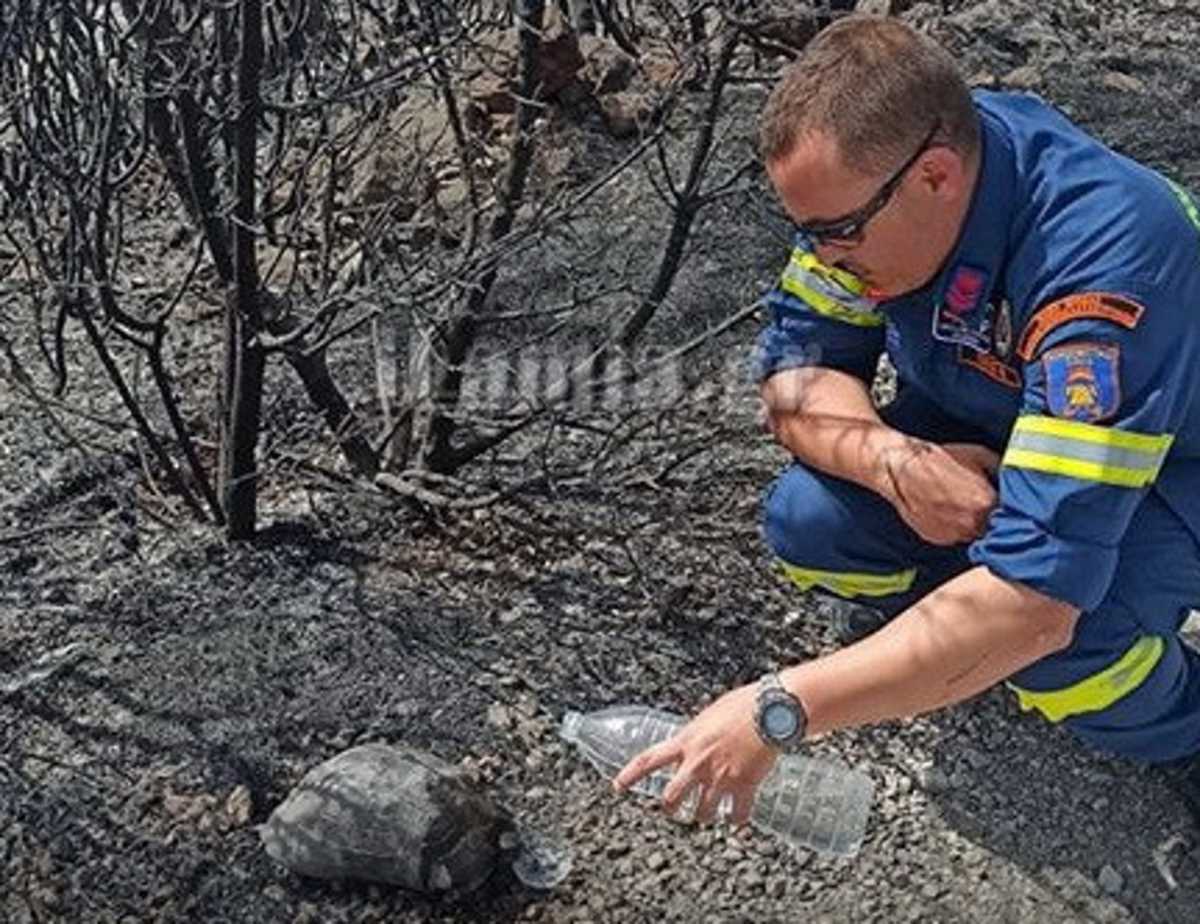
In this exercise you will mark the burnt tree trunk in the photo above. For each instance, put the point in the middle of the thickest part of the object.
(244, 361)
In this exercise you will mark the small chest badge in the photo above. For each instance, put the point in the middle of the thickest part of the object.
(1002, 330)
(1083, 381)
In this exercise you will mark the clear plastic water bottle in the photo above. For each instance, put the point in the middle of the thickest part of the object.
(807, 801)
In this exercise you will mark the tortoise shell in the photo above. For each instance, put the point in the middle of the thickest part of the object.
(392, 815)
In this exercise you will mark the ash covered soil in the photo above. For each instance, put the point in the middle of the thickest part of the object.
(210, 676)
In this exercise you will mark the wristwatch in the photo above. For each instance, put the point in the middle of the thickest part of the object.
(779, 716)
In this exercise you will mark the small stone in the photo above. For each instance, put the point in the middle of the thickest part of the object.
(983, 78)
(931, 891)
(1026, 77)
(931, 779)
(239, 806)
(656, 861)
(617, 849)
(500, 716)
(1123, 83)
(1110, 880)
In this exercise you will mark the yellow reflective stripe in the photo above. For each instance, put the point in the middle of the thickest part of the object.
(847, 281)
(1086, 451)
(1101, 690)
(850, 583)
(1185, 200)
(803, 269)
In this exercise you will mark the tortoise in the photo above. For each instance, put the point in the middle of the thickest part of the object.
(400, 816)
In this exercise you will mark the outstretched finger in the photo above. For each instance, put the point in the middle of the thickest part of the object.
(645, 763)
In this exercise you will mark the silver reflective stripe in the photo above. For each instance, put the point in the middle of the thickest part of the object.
(1086, 452)
(1118, 456)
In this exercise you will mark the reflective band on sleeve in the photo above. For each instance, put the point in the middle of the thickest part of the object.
(1099, 691)
(1185, 200)
(850, 583)
(828, 291)
(1086, 451)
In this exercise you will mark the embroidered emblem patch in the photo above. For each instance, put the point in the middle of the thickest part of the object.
(965, 289)
(1103, 306)
(951, 318)
(1083, 381)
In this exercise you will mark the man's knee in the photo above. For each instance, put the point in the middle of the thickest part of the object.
(800, 512)
(825, 534)
(1141, 703)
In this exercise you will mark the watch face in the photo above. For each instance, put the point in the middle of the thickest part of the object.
(779, 721)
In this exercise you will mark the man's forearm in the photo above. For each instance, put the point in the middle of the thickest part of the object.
(967, 635)
(826, 419)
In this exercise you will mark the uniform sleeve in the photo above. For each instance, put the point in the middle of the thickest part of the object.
(1101, 404)
(819, 317)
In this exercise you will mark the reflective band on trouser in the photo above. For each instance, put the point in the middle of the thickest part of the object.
(828, 291)
(1099, 691)
(1086, 451)
(850, 583)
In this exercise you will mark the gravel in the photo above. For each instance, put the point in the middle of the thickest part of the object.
(214, 675)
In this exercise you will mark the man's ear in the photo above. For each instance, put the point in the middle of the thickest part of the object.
(943, 172)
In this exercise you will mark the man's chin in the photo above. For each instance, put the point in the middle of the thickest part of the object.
(881, 293)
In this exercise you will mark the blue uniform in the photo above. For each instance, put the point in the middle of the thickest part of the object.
(1063, 332)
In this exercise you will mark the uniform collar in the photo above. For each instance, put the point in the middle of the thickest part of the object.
(962, 291)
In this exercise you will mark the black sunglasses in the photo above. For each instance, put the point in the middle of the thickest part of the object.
(849, 228)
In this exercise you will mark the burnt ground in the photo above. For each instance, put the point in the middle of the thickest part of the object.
(205, 668)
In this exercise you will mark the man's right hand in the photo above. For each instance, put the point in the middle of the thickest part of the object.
(943, 492)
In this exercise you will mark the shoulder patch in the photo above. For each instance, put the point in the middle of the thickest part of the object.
(1083, 381)
(1103, 306)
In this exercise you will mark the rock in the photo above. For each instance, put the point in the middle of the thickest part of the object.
(1123, 83)
(874, 7)
(1026, 77)
(656, 861)
(492, 93)
(559, 60)
(659, 67)
(625, 113)
(983, 78)
(1110, 880)
(933, 780)
(239, 806)
(780, 26)
(500, 715)
(188, 809)
(606, 69)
